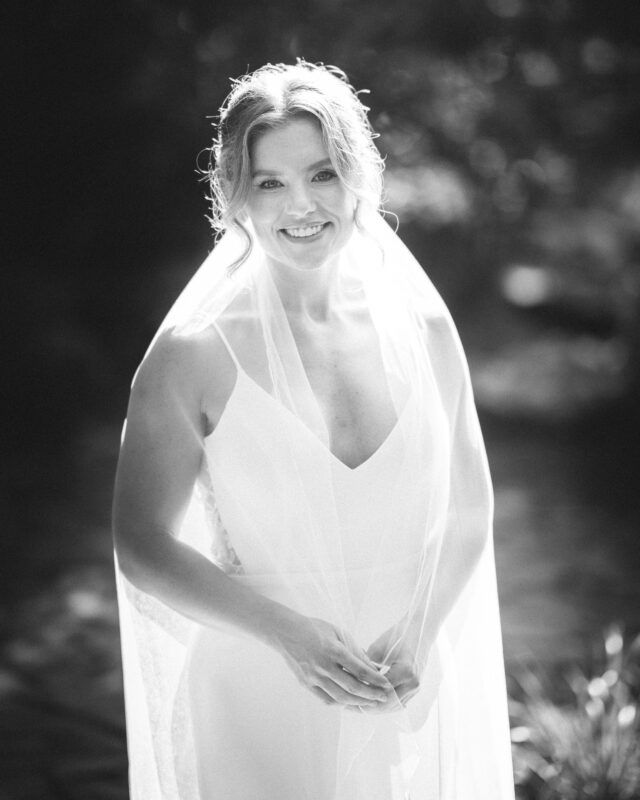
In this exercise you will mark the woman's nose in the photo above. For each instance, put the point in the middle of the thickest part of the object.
(300, 200)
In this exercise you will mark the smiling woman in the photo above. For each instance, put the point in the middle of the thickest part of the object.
(302, 512)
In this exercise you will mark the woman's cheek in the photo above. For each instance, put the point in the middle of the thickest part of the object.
(346, 201)
(261, 208)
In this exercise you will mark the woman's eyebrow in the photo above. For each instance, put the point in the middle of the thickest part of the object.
(325, 162)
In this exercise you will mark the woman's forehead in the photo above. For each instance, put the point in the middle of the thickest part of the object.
(296, 144)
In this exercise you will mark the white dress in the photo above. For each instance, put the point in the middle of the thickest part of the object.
(258, 734)
(216, 715)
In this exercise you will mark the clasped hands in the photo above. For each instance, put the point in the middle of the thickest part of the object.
(329, 663)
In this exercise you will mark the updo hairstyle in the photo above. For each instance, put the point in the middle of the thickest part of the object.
(270, 97)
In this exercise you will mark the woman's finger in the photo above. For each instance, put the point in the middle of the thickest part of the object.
(361, 670)
(392, 704)
(345, 697)
(356, 687)
(401, 672)
(322, 695)
(404, 691)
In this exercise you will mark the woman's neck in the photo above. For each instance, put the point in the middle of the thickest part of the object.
(312, 293)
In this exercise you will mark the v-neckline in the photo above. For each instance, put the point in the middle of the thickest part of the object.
(242, 375)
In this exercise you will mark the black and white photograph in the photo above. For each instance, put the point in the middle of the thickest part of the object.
(322, 379)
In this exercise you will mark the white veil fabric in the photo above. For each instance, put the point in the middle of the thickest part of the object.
(451, 741)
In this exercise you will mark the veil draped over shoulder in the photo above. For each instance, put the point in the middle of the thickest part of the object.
(451, 741)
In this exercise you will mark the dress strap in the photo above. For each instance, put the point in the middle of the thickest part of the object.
(225, 341)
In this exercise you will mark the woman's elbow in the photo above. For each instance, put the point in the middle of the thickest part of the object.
(133, 558)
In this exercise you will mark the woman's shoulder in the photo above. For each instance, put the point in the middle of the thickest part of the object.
(184, 363)
(199, 363)
(173, 356)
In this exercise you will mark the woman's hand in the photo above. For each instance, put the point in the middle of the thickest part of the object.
(393, 653)
(329, 663)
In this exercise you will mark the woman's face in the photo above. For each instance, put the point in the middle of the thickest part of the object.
(301, 211)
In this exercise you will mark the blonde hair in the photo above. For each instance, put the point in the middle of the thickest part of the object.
(268, 98)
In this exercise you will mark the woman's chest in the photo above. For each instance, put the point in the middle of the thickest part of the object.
(276, 482)
(348, 380)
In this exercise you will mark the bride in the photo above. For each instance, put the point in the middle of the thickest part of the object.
(302, 510)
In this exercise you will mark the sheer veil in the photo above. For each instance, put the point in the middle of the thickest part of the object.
(452, 739)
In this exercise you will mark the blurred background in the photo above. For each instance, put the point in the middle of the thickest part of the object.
(512, 135)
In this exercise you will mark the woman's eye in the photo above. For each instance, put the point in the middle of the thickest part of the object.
(269, 183)
(324, 175)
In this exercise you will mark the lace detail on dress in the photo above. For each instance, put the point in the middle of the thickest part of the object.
(222, 553)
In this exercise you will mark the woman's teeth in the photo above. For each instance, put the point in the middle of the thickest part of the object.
(301, 233)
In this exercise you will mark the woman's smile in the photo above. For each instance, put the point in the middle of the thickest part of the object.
(305, 233)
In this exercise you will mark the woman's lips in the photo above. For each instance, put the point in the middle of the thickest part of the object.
(304, 233)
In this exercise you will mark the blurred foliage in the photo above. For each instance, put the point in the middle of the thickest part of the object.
(62, 731)
(578, 738)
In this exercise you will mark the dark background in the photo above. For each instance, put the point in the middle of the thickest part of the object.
(512, 135)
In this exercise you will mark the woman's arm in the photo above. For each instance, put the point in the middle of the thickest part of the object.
(469, 520)
(159, 461)
(470, 512)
